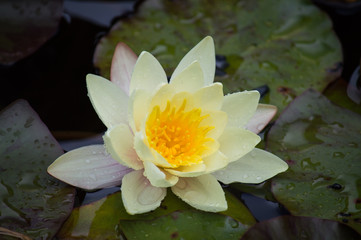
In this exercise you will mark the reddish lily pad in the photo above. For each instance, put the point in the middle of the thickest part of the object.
(25, 26)
(175, 217)
(288, 45)
(291, 227)
(321, 143)
(31, 202)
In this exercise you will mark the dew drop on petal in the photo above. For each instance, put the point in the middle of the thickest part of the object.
(245, 176)
(181, 184)
(260, 127)
(150, 195)
(258, 178)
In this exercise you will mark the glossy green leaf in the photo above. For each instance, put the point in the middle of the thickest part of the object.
(88, 221)
(31, 202)
(25, 26)
(288, 45)
(321, 143)
(291, 227)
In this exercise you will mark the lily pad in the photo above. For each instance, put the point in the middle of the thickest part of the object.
(291, 227)
(321, 143)
(175, 217)
(337, 92)
(288, 45)
(25, 26)
(31, 202)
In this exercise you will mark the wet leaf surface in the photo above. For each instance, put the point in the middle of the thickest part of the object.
(25, 26)
(32, 202)
(321, 143)
(174, 216)
(337, 93)
(291, 227)
(287, 45)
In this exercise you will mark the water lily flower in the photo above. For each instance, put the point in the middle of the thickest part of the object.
(184, 135)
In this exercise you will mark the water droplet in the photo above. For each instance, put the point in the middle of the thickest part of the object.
(29, 122)
(87, 161)
(338, 155)
(150, 195)
(290, 186)
(258, 178)
(233, 223)
(245, 176)
(260, 127)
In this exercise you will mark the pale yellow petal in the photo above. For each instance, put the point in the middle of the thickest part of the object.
(203, 192)
(146, 153)
(255, 167)
(237, 142)
(217, 120)
(138, 108)
(139, 195)
(204, 53)
(109, 101)
(157, 176)
(190, 79)
(209, 97)
(261, 118)
(163, 94)
(215, 162)
(188, 171)
(240, 107)
(119, 143)
(148, 74)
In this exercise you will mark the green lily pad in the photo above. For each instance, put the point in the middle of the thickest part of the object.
(175, 217)
(291, 227)
(25, 26)
(321, 143)
(31, 202)
(288, 45)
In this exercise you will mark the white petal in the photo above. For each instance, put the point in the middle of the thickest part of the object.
(261, 118)
(190, 79)
(148, 74)
(240, 107)
(119, 143)
(138, 194)
(203, 192)
(255, 167)
(203, 52)
(109, 101)
(89, 168)
(237, 142)
(209, 97)
(122, 66)
(157, 177)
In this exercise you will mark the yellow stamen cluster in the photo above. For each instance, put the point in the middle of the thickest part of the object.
(177, 134)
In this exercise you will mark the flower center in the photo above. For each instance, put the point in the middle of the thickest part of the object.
(178, 135)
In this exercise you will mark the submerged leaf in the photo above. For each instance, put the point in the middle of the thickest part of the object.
(321, 143)
(288, 45)
(32, 202)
